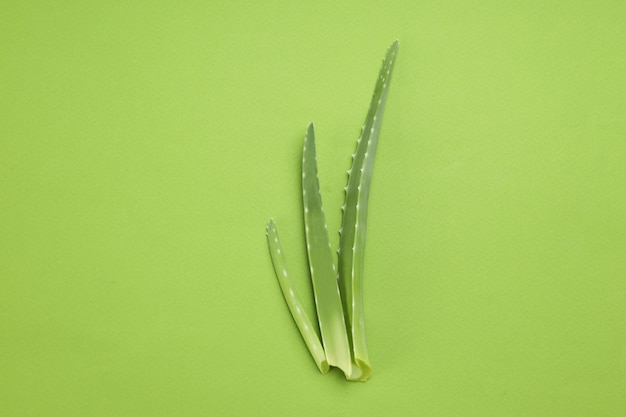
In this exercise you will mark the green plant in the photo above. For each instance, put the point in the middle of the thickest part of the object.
(337, 289)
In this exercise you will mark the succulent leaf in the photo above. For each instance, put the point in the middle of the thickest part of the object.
(354, 222)
(290, 294)
(321, 263)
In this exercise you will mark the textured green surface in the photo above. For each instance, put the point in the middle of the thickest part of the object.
(143, 148)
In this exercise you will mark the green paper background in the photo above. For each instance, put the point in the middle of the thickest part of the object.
(143, 147)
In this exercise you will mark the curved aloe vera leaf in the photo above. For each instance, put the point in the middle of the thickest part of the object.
(307, 330)
(323, 271)
(352, 233)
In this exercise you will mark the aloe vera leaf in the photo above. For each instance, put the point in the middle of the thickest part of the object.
(321, 263)
(290, 294)
(352, 234)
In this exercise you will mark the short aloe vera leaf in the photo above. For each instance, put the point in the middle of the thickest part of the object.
(354, 221)
(321, 262)
(307, 330)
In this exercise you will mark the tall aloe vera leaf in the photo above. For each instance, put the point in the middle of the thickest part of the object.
(352, 233)
(321, 262)
(307, 330)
